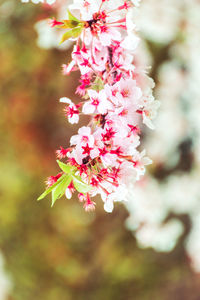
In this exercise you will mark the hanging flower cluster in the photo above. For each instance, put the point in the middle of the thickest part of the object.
(103, 158)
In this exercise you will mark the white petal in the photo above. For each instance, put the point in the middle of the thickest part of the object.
(88, 108)
(65, 100)
(74, 140)
(68, 193)
(108, 206)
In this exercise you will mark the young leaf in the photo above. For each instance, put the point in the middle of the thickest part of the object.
(70, 24)
(66, 168)
(72, 17)
(51, 188)
(81, 186)
(73, 33)
(98, 84)
(59, 190)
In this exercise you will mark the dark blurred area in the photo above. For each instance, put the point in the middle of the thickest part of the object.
(63, 252)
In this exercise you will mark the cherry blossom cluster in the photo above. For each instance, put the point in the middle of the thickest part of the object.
(117, 97)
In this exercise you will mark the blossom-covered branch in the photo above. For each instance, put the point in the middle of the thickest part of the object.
(103, 158)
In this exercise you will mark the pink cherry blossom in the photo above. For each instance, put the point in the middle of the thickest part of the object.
(84, 137)
(98, 103)
(116, 95)
(71, 110)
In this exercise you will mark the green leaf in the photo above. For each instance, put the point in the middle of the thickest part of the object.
(73, 33)
(51, 188)
(66, 168)
(72, 17)
(98, 84)
(59, 190)
(70, 24)
(81, 186)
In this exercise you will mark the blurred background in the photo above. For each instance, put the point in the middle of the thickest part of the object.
(146, 249)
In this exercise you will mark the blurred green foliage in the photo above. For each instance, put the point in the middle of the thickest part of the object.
(62, 253)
